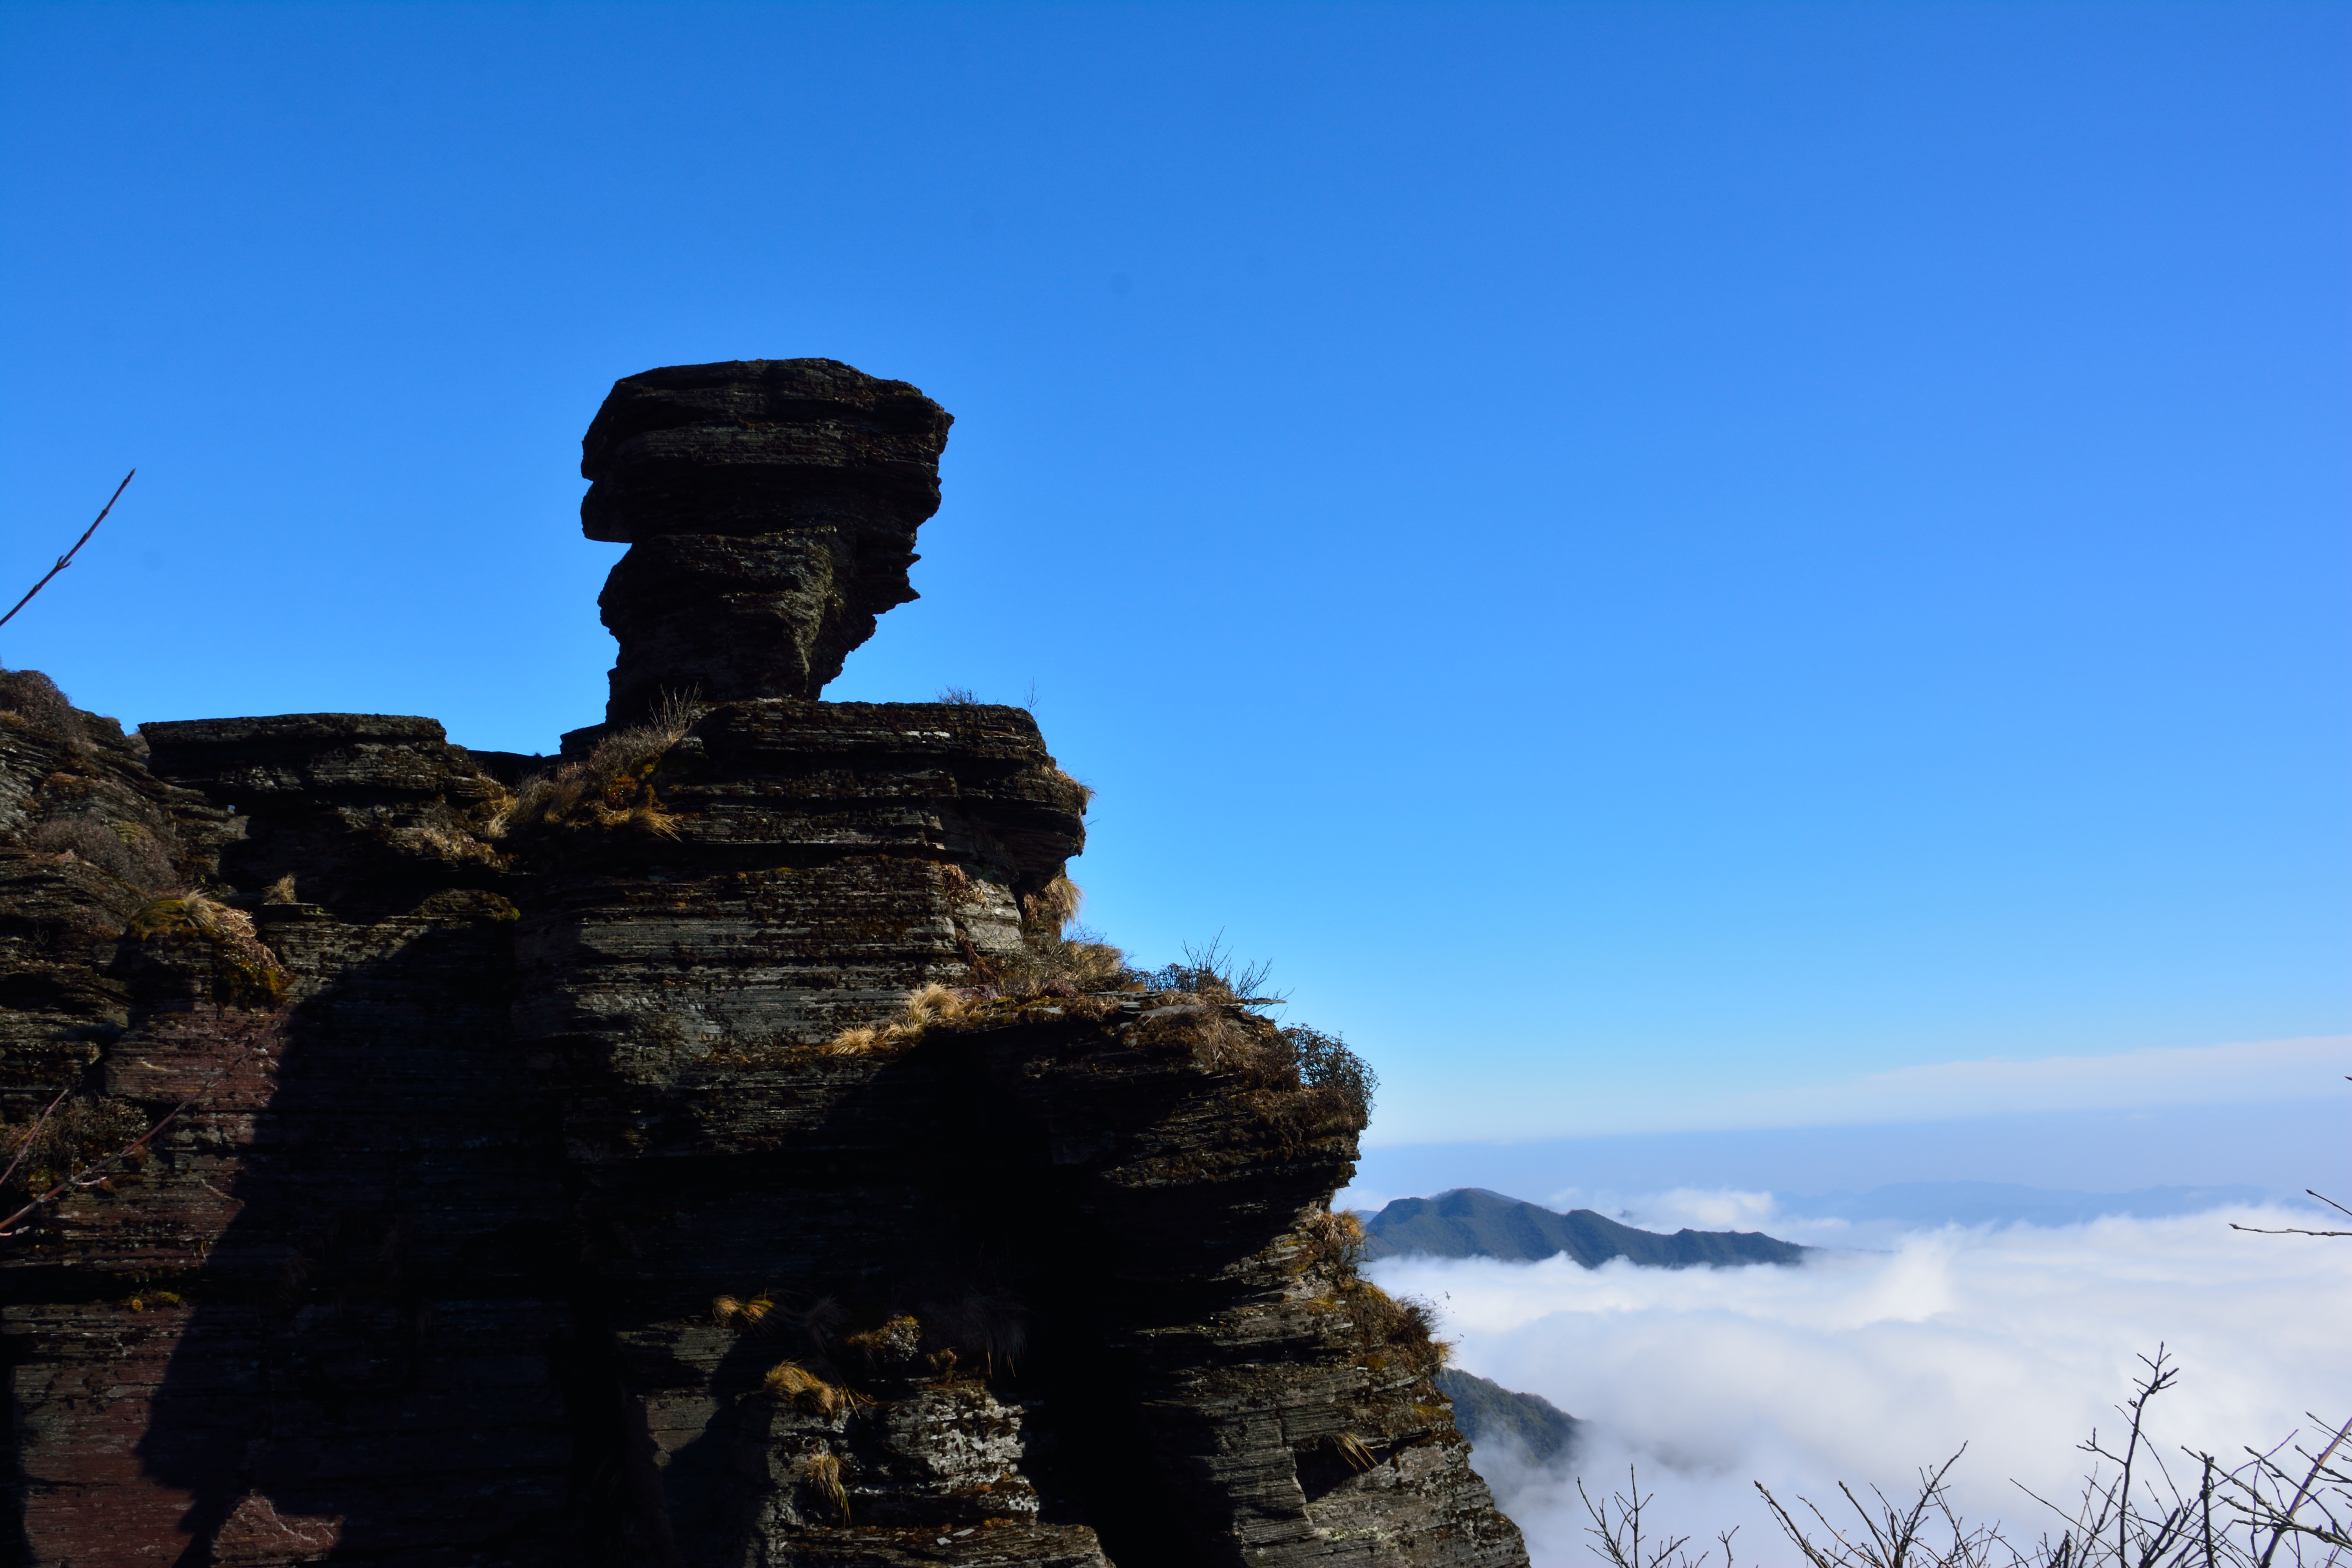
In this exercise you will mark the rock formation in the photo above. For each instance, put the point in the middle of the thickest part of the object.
(770, 508)
(709, 1150)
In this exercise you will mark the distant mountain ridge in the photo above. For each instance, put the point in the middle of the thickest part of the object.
(1471, 1222)
(1493, 1417)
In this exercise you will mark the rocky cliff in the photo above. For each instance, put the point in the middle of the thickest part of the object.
(706, 1147)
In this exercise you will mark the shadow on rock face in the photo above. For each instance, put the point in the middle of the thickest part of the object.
(378, 1348)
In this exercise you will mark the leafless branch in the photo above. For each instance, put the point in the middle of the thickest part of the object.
(1620, 1540)
(39, 1122)
(2284, 1230)
(2297, 1230)
(67, 559)
(87, 1177)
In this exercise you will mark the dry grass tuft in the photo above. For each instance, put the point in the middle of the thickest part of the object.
(1406, 1327)
(1323, 1065)
(1335, 1237)
(729, 1313)
(1214, 1038)
(789, 1380)
(124, 850)
(931, 1005)
(78, 1132)
(1212, 974)
(442, 843)
(890, 1347)
(613, 787)
(1053, 907)
(1228, 1038)
(823, 1473)
(281, 891)
(1223, 1028)
(31, 701)
(1057, 962)
(189, 910)
(246, 974)
(933, 1001)
(852, 1043)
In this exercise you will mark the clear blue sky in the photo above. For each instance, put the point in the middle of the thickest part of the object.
(1641, 554)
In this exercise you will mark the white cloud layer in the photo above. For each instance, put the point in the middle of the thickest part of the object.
(1864, 1366)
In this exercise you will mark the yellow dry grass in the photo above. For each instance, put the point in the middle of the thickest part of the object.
(247, 973)
(823, 1473)
(1058, 962)
(790, 1379)
(1053, 906)
(442, 843)
(1335, 1237)
(729, 1313)
(613, 787)
(1407, 1327)
(931, 1005)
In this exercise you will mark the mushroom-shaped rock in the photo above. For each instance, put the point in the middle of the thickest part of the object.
(770, 507)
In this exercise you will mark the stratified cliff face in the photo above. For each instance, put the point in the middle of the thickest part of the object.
(688, 1155)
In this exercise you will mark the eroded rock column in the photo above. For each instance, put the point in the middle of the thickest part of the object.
(770, 509)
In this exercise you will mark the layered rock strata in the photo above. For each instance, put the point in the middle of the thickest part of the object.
(770, 507)
(691, 1156)
(324, 1308)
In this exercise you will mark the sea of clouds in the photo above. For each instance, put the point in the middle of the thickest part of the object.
(1867, 1362)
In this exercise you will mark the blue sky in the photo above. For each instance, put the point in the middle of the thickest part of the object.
(1648, 556)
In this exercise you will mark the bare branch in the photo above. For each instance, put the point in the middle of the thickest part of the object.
(2331, 1203)
(67, 559)
(80, 1179)
(39, 1122)
(2284, 1230)
(2285, 1518)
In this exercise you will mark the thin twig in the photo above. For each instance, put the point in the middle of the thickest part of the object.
(39, 1122)
(2159, 1378)
(78, 1178)
(67, 559)
(2331, 1203)
(2284, 1230)
(2205, 1494)
(2285, 1520)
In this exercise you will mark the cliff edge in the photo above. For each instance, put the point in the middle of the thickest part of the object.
(706, 1148)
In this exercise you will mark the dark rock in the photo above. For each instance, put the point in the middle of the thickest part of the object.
(328, 1281)
(548, 1169)
(770, 508)
(825, 860)
(368, 812)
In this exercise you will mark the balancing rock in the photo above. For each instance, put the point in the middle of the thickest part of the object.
(770, 507)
